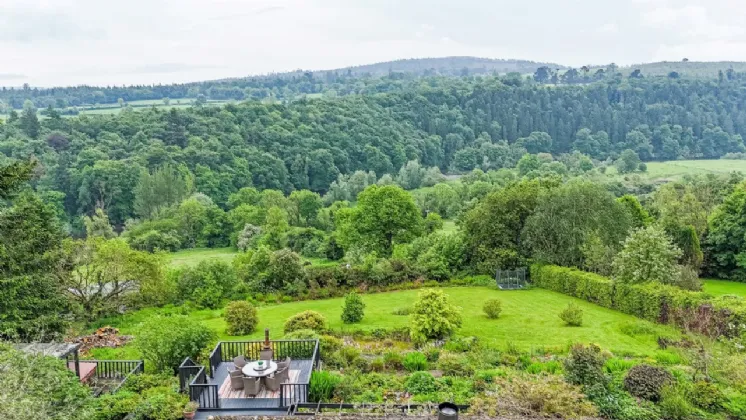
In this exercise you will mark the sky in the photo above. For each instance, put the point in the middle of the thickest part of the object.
(94, 42)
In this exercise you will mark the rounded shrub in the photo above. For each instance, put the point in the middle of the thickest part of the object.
(393, 360)
(415, 361)
(306, 320)
(585, 366)
(646, 381)
(420, 383)
(433, 316)
(454, 365)
(302, 335)
(322, 385)
(492, 308)
(572, 315)
(328, 344)
(241, 318)
(353, 309)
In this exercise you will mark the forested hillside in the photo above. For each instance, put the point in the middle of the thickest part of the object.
(456, 124)
(448, 66)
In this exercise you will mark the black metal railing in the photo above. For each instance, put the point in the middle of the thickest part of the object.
(293, 394)
(226, 351)
(187, 371)
(205, 394)
(113, 370)
(298, 392)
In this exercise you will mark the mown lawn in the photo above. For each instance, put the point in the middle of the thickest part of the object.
(676, 169)
(191, 257)
(724, 287)
(529, 320)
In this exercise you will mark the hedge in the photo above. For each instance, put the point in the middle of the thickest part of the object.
(655, 302)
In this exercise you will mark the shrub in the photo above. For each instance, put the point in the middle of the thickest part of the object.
(166, 341)
(645, 381)
(492, 308)
(707, 396)
(615, 365)
(420, 383)
(673, 403)
(455, 365)
(415, 361)
(322, 385)
(393, 360)
(572, 315)
(207, 283)
(353, 309)
(306, 320)
(241, 318)
(433, 317)
(302, 335)
(543, 396)
(329, 344)
(736, 406)
(377, 365)
(584, 366)
(39, 387)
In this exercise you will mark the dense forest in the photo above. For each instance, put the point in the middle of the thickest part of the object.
(365, 79)
(342, 194)
(455, 124)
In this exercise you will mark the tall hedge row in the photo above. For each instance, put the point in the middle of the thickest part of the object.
(725, 315)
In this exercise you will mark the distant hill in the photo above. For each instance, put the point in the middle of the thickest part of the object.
(451, 66)
(692, 69)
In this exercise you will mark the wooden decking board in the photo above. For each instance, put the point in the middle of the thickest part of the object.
(300, 373)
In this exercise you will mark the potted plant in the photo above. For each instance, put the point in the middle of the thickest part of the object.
(190, 409)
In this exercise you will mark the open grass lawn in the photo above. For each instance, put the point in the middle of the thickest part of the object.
(724, 287)
(529, 320)
(675, 169)
(191, 257)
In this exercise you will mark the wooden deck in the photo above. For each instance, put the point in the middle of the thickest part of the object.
(300, 373)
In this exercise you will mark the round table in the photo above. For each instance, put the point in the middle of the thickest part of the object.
(250, 369)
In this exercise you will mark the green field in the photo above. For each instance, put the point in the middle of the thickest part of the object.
(529, 320)
(678, 168)
(723, 287)
(191, 257)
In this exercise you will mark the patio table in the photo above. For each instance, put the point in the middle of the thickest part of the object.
(252, 369)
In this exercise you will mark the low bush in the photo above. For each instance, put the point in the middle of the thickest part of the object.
(543, 396)
(393, 360)
(165, 342)
(421, 383)
(455, 365)
(616, 365)
(353, 309)
(735, 406)
(433, 316)
(645, 381)
(306, 320)
(492, 308)
(329, 344)
(415, 361)
(585, 366)
(572, 315)
(674, 404)
(241, 318)
(322, 385)
(302, 335)
(706, 396)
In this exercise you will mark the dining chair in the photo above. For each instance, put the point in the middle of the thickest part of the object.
(236, 380)
(272, 383)
(239, 362)
(266, 354)
(284, 364)
(283, 375)
(252, 386)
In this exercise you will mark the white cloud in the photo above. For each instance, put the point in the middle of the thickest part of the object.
(62, 42)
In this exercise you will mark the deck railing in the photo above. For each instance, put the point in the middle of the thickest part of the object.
(298, 392)
(226, 351)
(204, 394)
(187, 371)
(116, 369)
